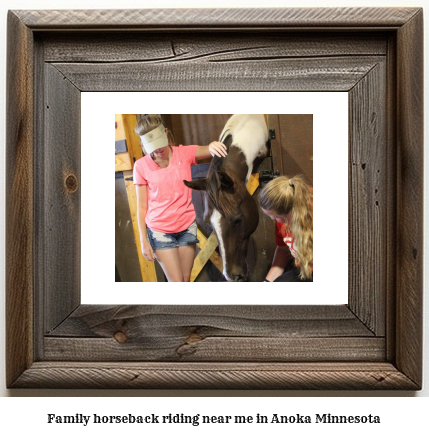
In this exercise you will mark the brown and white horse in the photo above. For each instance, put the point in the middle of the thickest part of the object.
(229, 208)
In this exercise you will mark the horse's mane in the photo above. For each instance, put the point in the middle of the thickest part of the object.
(233, 124)
(221, 199)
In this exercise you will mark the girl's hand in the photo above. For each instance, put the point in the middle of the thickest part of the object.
(218, 148)
(147, 251)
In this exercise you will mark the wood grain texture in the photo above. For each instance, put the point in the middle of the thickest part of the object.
(123, 162)
(61, 206)
(295, 133)
(205, 253)
(197, 129)
(295, 74)
(368, 203)
(208, 18)
(206, 47)
(104, 321)
(133, 140)
(157, 332)
(215, 376)
(214, 258)
(409, 274)
(119, 127)
(391, 191)
(177, 347)
(213, 333)
(214, 349)
(19, 199)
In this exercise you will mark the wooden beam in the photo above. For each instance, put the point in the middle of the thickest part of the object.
(147, 268)
(133, 140)
(204, 255)
(214, 258)
(123, 162)
(253, 183)
(119, 128)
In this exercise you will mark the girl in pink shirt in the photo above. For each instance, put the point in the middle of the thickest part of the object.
(166, 216)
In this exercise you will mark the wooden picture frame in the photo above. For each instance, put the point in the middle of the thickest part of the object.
(374, 342)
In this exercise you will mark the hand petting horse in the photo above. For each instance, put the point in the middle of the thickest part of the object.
(229, 208)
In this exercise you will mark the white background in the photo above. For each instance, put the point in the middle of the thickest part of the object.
(330, 150)
(401, 414)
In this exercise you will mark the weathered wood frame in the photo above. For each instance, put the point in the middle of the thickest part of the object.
(375, 342)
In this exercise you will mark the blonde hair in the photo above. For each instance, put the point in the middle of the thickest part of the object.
(146, 123)
(283, 196)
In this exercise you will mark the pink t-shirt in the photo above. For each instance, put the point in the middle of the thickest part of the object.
(170, 208)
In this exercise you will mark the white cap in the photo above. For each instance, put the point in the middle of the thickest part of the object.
(156, 138)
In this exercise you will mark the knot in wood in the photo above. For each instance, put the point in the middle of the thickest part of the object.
(71, 183)
(193, 338)
(120, 337)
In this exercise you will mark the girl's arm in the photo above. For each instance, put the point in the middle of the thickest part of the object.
(214, 148)
(147, 251)
(282, 258)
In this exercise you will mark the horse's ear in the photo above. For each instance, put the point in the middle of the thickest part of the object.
(197, 185)
(225, 181)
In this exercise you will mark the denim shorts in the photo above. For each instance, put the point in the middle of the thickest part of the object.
(163, 241)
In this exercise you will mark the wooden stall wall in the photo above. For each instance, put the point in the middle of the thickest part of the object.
(292, 148)
(197, 129)
(126, 256)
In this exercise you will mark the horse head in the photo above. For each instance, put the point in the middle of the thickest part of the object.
(229, 208)
(233, 215)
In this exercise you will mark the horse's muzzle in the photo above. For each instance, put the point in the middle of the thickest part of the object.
(239, 278)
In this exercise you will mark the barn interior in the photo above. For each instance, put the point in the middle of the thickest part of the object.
(291, 153)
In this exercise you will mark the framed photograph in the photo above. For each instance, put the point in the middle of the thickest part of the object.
(55, 59)
(310, 135)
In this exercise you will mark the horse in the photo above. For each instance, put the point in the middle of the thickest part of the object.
(229, 208)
